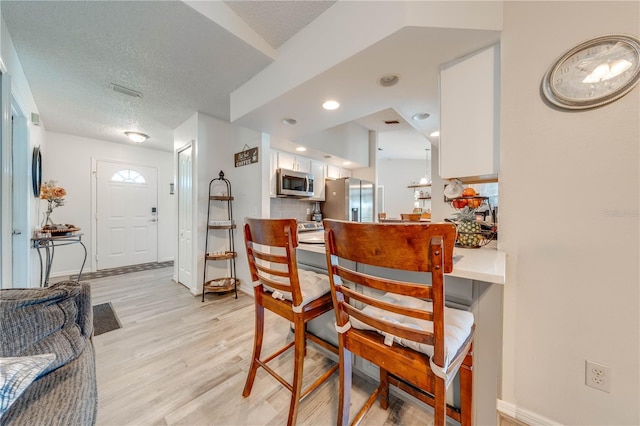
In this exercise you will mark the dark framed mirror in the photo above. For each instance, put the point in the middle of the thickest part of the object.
(36, 171)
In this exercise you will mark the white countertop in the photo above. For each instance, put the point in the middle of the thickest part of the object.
(483, 264)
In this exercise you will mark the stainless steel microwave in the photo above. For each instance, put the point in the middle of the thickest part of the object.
(291, 183)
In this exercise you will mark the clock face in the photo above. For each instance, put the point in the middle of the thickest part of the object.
(594, 73)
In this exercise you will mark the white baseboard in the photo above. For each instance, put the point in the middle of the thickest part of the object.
(66, 273)
(524, 416)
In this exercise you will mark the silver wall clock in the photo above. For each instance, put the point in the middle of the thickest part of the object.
(594, 73)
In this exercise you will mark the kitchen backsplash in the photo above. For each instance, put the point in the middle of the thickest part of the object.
(290, 207)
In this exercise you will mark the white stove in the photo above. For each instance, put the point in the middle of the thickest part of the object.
(310, 233)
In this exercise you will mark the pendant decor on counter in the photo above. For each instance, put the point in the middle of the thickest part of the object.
(246, 156)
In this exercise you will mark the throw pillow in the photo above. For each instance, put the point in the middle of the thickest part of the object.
(17, 373)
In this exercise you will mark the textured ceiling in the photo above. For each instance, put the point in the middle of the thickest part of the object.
(181, 61)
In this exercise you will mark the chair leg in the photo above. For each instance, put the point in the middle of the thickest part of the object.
(257, 349)
(344, 398)
(296, 384)
(440, 403)
(384, 389)
(466, 391)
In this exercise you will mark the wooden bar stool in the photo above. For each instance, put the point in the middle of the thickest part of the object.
(296, 295)
(403, 327)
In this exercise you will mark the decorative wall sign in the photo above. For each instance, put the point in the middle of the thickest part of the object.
(246, 157)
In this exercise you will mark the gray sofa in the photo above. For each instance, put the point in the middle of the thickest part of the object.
(57, 319)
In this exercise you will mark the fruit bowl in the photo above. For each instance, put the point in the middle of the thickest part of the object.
(474, 202)
(474, 239)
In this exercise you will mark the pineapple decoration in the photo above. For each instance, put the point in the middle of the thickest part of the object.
(469, 230)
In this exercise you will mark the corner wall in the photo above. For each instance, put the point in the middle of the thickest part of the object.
(569, 202)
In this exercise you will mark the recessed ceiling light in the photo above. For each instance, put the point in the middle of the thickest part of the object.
(420, 116)
(301, 149)
(289, 121)
(137, 137)
(435, 134)
(331, 105)
(389, 80)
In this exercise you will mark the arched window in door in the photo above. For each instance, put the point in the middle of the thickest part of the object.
(128, 176)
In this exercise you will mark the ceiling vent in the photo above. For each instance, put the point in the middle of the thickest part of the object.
(125, 91)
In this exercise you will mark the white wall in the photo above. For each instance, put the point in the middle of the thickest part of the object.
(395, 175)
(569, 202)
(21, 91)
(69, 160)
(217, 141)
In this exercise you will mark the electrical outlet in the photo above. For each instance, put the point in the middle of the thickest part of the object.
(597, 376)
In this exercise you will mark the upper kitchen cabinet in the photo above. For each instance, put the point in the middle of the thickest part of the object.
(319, 173)
(290, 161)
(334, 172)
(469, 115)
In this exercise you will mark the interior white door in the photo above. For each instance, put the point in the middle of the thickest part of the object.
(185, 192)
(127, 217)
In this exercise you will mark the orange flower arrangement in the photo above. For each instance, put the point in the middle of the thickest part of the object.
(54, 195)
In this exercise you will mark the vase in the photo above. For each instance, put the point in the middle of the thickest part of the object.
(46, 220)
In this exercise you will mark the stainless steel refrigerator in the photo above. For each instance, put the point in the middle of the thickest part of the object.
(349, 199)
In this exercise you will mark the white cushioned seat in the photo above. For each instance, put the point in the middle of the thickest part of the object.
(458, 326)
(312, 286)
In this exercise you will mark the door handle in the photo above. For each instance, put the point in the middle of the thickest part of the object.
(16, 232)
(153, 220)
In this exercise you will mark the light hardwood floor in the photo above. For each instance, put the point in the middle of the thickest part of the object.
(178, 361)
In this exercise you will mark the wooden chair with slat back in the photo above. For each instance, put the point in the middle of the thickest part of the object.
(402, 326)
(294, 294)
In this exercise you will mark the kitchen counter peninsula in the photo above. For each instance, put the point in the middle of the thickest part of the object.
(486, 264)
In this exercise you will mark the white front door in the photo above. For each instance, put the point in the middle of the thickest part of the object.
(185, 192)
(127, 217)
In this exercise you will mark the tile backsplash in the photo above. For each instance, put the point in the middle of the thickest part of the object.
(291, 207)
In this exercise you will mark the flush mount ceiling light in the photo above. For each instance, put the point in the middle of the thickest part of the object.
(137, 137)
(435, 134)
(420, 116)
(289, 121)
(331, 105)
(301, 149)
(389, 80)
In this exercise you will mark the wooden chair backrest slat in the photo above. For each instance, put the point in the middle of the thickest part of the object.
(276, 234)
(410, 289)
(391, 307)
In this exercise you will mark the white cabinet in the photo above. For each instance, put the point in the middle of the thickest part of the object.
(318, 171)
(469, 115)
(290, 161)
(335, 172)
(273, 165)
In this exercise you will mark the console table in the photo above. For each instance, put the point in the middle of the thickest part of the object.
(49, 244)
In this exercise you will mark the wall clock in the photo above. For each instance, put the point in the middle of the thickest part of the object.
(594, 73)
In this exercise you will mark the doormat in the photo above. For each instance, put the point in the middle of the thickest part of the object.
(123, 270)
(104, 319)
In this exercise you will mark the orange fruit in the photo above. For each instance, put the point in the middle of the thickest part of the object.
(469, 192)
